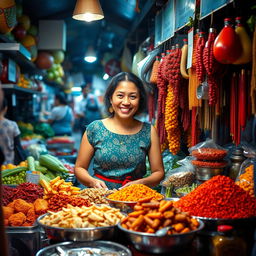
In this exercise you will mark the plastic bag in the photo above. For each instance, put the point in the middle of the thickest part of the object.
(208, 150)
(181, 176)
(245, 178)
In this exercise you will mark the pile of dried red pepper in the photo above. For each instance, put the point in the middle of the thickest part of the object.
(218, 197)
(209, 157)
(27, 191)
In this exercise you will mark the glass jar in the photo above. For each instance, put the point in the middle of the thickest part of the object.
(245, 178)
(226, 243)
(237, 158)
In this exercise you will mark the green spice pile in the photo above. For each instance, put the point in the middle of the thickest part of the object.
(218, 197)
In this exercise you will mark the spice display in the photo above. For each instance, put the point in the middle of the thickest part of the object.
(58, 186)
(153, 77)
(95, 195)
(134, 193)
(245, 180)
(200, 69)
(211, 67)
(218, 197)
(58, 201)
(27, 191)
(179, 179)
(162, 93)
(150, 216)
(209, 153)
(84, 217)
(21, 213)
(216, 164)
(171, 121)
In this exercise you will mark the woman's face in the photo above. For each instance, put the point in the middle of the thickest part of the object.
(125, 99)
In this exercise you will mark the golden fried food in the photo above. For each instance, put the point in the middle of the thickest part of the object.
(21, 205)
(41, 206)
(7, 211)
(11, 205)
(17, 219)
(31, 216)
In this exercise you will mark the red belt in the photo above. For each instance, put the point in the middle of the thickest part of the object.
(123, 182)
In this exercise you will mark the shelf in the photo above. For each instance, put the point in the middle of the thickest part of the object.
(19, 89)
(20, 55)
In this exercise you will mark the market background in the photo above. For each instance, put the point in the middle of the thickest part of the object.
(200, 101)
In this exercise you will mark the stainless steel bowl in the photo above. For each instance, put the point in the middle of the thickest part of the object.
(124, 206)
(206, 173)
(211, 224)
(77, 234)
(85, 248)
(154, 244)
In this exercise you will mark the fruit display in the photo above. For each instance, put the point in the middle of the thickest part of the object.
(7, 16)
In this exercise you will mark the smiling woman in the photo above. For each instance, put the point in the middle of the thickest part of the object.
(120, 144)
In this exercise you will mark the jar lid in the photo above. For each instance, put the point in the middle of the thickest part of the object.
(224, 228)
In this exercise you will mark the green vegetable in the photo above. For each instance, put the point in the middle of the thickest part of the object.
(44, 129)
(31, 163)
(44, 177)
(10, 172)
(52, 163)
(40, 168)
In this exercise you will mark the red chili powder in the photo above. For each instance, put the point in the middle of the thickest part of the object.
(218, 197)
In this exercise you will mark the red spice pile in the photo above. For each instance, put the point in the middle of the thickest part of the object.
(57, 202)
(218, 197)
(27, 191)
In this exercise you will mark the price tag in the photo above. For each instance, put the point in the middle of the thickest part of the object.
(32, 177)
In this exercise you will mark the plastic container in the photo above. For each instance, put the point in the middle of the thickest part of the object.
(227, 243)
(245, 178)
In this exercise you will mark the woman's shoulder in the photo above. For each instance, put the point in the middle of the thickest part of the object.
(94, 125)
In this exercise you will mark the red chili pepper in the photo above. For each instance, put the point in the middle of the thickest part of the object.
(224, 200)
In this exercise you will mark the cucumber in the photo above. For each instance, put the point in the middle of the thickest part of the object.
(10, 172)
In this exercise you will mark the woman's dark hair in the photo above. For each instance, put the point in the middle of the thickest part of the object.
(125, 76)
(62, 98)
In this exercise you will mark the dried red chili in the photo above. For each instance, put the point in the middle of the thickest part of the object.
(57, 202)
(209, 153)
(218, 197)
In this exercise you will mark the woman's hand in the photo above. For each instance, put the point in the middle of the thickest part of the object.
(132, 182)
(95, 183)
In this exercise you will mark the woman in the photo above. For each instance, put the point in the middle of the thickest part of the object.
(10, 138)
(61, 116)
(120, 143)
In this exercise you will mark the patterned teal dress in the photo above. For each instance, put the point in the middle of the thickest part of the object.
(119, 156)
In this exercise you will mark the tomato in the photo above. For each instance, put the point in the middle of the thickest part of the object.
(227, 46)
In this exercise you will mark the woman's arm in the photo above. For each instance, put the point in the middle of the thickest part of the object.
(156, 163)
(84, 158)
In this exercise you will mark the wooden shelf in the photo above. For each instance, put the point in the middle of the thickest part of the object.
(20, 55)
(19, 89)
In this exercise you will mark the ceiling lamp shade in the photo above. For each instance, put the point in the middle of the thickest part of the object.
(90, 55)
(88, 10)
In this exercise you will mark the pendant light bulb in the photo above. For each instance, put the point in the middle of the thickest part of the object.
(88, 10)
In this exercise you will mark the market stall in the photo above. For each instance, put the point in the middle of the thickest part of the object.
(198, 66)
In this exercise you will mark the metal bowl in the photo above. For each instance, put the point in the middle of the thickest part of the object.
(154, 244)
(206, 173)
(93, 248)
(211, 224)
(77, 234)
(124, 206)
